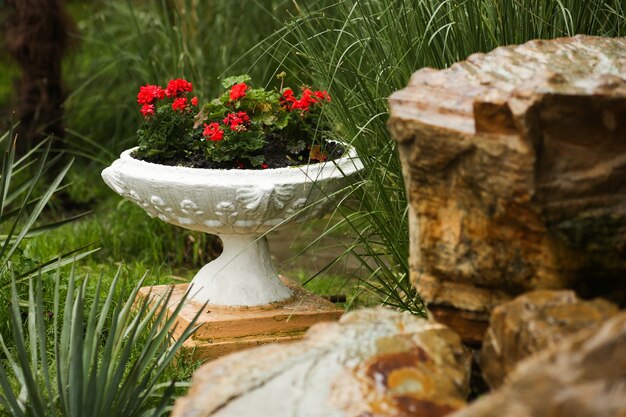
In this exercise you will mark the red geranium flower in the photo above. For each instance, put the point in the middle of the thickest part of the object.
(179, 104)
(287, 99)
(177, 87)
(213, 132)
(235, 120)
(194, 101)
(148, 93)
(147, 110)
(307, 94)
(238, 91)
(307, 99)
(322, 95)
(302, 104)
(288, 95)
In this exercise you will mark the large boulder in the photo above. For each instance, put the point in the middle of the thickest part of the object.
(583, 376)
(515, 166)
(533, 322)
(372, 363)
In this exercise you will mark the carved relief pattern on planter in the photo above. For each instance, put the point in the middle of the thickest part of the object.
(228, 203)
(263, 206)
(256, 201)
(296, 209)
(252, 204)
(226, 212)
(116, 183)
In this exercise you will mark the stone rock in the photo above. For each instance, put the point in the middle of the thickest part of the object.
(583, 376)
(514, 163)
(531, 323)
(373, 363)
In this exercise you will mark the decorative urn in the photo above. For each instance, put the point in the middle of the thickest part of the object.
(240, 206)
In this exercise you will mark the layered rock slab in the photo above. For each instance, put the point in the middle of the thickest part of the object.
(515, 166)
(372, 362)
(533, 322)
(583, 376)
(221, 330)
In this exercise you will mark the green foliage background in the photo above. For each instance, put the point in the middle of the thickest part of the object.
(359, 50)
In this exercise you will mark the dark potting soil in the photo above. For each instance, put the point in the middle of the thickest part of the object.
(275, 152)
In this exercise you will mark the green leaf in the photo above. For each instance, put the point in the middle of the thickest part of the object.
(20, 341)
(282, 120)
(256, 161)
(296, 147)
(267, 119)
(236, 79)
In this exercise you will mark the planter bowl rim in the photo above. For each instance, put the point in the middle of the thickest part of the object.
(349, 162)
(231, 201)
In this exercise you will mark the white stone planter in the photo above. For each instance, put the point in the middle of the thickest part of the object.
(239, 206)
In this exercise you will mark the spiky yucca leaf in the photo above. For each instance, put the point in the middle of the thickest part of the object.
(21, 205)
(107, 358)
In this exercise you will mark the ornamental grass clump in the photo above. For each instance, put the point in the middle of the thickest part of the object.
(243, 128)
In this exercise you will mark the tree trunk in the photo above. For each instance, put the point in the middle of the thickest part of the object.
(37, 38)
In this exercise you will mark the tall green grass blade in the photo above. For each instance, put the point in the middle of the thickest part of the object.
(36, 231)
(51, 265)
(19, 339)
(7, 397)
(7, 164)
(41, 335)
(11, 245)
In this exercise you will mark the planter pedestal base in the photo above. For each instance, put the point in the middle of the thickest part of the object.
(223, 330)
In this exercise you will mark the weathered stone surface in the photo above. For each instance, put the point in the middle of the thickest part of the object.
(533, 322)
(372, 362)
(583, 376)
(515, 165)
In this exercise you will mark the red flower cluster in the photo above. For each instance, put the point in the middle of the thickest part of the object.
(148, 93)
(213, 132)
(238, 91)
(179, 104)
(147, 110)
(287, 98)
(322, 96)
(177, 87)
(309, 97)
(237, 121)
